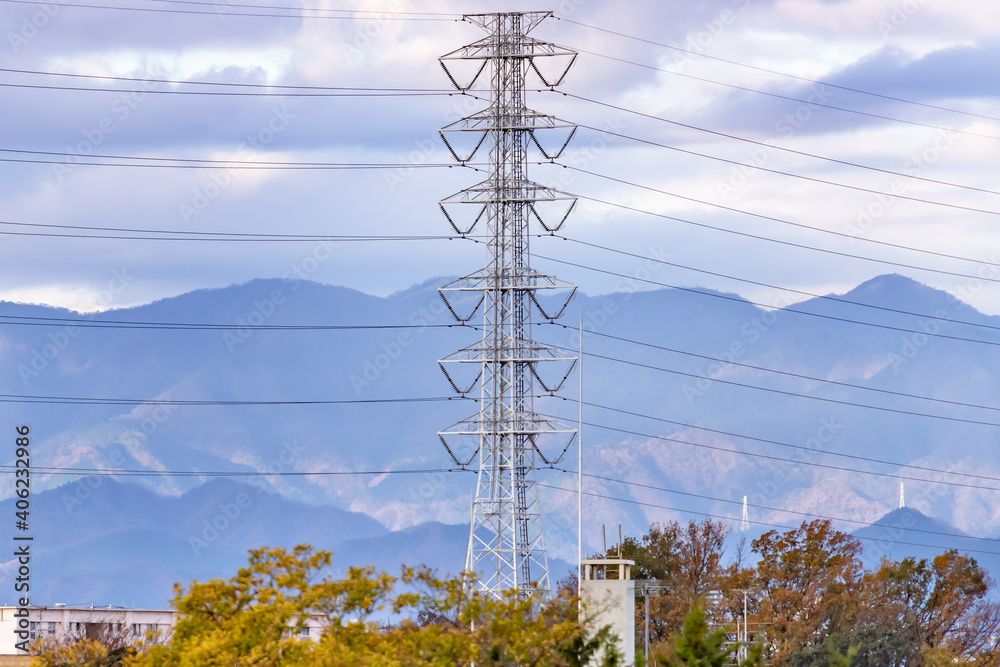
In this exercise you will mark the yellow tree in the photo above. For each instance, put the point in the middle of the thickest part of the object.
(78, 653)
(253, 619)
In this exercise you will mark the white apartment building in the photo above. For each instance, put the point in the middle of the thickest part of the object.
(60, 621)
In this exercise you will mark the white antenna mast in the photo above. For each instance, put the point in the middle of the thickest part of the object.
(902, 503)
(745, 523)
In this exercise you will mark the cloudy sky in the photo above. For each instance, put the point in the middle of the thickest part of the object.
(865, 105)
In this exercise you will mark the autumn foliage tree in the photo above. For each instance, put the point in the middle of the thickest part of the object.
(254, 618)
(811, 603)
(686, 560)
(806, 585)
(940, 606)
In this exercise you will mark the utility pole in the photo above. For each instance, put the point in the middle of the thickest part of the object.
(648, 588)
(742, 631)
(506, 548)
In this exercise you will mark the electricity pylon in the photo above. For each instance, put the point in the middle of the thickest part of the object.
(506, 548)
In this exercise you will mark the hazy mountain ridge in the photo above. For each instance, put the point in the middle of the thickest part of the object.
(735, 338)
(102, 541)
(123, 545)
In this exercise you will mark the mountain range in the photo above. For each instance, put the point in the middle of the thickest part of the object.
(693, 399)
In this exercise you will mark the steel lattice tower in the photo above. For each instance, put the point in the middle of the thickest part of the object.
(506, 547)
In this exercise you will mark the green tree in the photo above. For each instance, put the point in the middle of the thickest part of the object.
(864, 647)
(698, 646)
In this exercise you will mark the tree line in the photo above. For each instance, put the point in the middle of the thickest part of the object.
(805, 595)
(367, 618)
(809, 602)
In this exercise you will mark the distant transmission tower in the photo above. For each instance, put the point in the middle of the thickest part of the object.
(745, 522)
(506, 548)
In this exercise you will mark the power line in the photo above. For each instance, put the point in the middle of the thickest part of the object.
(811, 103)
(799, 176)
(180, 82)
(793, 394)
(652, 487)
(787, 445)
(782, 221)
(757, 522)
(770, 457)
(784, 74)
(824, 297)
(741, 300)
(866, 459)
(220, 93)
(776, 371)
(118, 472)
(218, 162)
(295, 237)
(237, 165)
(803, 246)
(751, 141)
(25, 320)
(189, 235)
(226, 239)
(352, 13)
(228, 11)
(77, 400)
(738, 210)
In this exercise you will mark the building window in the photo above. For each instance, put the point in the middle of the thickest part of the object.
(304, 633)
(51, 629)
